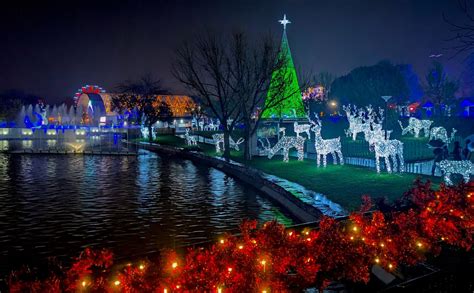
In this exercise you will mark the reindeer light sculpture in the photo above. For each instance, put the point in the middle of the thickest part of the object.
(299, 128)
(465, 168)
(190, 139)
(442, 134)
(388, 149)
(219, 139)
(361, 120)
(285, 144)
(415, 126)
(325, 146)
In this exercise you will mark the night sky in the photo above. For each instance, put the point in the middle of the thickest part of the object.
(51, 48)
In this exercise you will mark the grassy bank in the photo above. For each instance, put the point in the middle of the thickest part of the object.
(342, 184)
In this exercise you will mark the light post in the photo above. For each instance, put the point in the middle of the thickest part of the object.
(386, 98)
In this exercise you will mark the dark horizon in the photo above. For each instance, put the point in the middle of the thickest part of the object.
(51, 49)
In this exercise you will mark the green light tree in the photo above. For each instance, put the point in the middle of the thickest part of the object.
(292, 104)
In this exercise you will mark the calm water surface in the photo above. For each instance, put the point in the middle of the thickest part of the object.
(56, 205)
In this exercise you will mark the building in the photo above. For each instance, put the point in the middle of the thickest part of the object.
(180, 105)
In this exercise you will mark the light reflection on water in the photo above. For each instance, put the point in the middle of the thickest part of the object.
(55, 205)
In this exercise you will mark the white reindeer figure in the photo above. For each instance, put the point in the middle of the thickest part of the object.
(219, 138)
(299, 128)
(465, 168)
(211, 126)
(285, 144)
(361, 121)
(190, 139)
(388, 149)
(325, 146)
(201, 125)
(214, 126)
(415, 126)
(442, 134)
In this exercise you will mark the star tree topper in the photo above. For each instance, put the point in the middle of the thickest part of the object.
(284, 21)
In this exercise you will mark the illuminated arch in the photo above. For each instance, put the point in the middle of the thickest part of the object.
(93, 97)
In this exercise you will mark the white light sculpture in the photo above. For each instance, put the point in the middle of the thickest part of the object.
(386, 148)
(285, 144)
(361, 120)
(219, 138)
(465, 168)
(325, 146)
(190, 139)
(201, 125)
(299, 128)
(145, 134)
(442, 134)
(415, 126)
(211, 126)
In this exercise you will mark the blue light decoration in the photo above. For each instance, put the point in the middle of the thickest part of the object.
(428, 106)
(29, 124)
(467, 106)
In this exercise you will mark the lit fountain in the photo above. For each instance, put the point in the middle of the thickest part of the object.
(77, 147)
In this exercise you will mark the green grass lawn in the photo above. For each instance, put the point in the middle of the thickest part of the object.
(342, 184)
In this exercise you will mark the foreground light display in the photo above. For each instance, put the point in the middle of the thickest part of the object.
(464, 168)
(415, 126)
(285, 143)
(441, 133)
(275, 259)
(326, 146)
(219, 139)
(388, 149)
(190, 139)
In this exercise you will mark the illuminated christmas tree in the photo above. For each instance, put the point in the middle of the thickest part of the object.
(292, 106)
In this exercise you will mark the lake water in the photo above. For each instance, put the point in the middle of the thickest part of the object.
(56, 205)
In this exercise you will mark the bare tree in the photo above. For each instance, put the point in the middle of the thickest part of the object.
(260, 75)
(463, 30)
(203, 66)
(141, 95)
(325, 79)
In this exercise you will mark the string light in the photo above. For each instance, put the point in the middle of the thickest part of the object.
(326, 146)
(361, 120)
(464, 168)
(441, 134)
(84, 283)
(285, 144)
(241, 247)
(190, 139)
(300, 128)
(141, 267)
(117, 283)
(174, 265)
(388, 149)
(219, 139)
(415, 126)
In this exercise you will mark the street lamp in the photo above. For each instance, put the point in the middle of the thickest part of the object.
(386, 98)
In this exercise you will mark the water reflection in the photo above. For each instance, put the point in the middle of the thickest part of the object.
(57, 205)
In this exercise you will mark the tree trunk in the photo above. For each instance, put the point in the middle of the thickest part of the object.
(150, 133)
(247, 143)
(226, 144)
